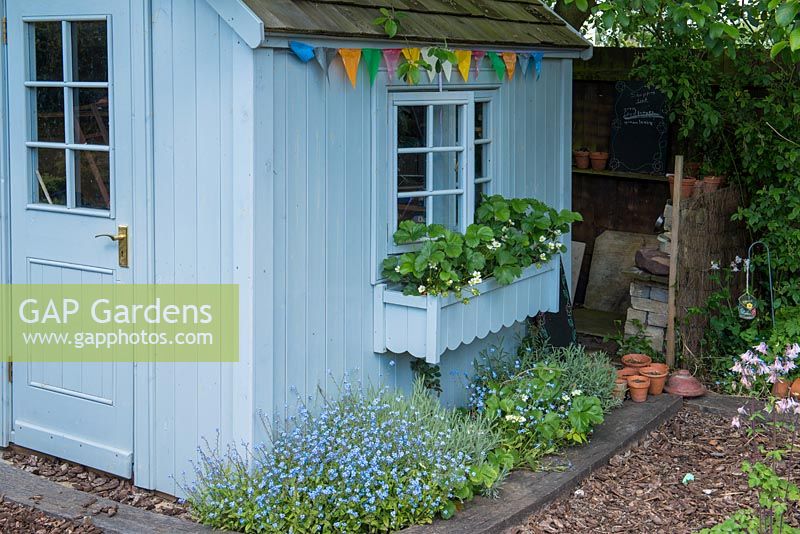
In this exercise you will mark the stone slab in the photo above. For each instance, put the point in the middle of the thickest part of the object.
(524, 492)
(578, 250)
(640, 290)
(657, 319)
(661, 294)
(648, 305)
(636, 315)
(612, 260)
(52, 498)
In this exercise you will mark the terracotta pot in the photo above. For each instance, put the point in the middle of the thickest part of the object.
(620, 388)
(687, 186)
(795, 389)
(637, 361)
(581, 158)
(657, 376)
(691, 168)
(781, 388)
(684, 384)
(599, 160)
(638, 386)
(712, 183)
(697, 189)
(625, 372)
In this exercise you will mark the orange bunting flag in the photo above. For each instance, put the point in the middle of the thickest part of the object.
(510, 59)
(464, 58)
(350, 58)
(411, 54)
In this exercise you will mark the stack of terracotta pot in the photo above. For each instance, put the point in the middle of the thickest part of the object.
(783, 388)
(640, 377)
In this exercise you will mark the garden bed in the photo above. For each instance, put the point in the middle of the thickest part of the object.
(17, 518)
(642, 490)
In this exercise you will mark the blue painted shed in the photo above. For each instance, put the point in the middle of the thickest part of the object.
(228, 159)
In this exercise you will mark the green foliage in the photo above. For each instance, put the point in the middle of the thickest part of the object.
(389, 20)
(429, 374)
(410, 70)
(636, 343)
(371, 461)
(507, 237)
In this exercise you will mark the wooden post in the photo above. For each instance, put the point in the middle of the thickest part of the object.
(673, 258)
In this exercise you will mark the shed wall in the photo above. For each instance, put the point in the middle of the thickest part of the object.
(319, 144)
(202, 167)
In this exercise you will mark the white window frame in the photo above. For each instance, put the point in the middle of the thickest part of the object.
(488, 141)
(467, 190)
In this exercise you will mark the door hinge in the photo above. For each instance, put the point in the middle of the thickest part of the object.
(10, 370)
(5, 30)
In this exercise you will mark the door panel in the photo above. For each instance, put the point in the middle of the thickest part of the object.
(71, 153)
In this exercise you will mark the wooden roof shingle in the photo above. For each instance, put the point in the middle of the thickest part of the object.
(507, 23)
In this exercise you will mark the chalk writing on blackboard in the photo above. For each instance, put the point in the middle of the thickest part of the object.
(639, 129)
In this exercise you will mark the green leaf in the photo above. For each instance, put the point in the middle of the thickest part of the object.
(583, 5)
(449, 510)
(786, 13)
(794, 39)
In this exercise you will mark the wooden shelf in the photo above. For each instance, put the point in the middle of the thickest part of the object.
(626, 175)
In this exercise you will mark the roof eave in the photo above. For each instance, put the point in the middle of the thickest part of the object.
(241, 19)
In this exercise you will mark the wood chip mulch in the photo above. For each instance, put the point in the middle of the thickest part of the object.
(18, 519)
(641, 490)
(95, 482)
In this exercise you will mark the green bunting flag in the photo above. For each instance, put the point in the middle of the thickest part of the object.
(372, 58)
(497, 64)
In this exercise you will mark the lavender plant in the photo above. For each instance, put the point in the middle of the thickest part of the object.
(757, 368)
(374, 460)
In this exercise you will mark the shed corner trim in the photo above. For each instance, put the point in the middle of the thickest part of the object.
(241, 19)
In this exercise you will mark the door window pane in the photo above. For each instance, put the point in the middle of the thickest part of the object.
(445, 126)
(92, 180)
(48, 62)
(90, 51)
(446, 171)
(412, 209)
(50, 176)
(49, 114)
(411, 172)
(91, 116)
(446, 211)
(411, 126)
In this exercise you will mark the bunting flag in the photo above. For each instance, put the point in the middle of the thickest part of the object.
(498, 64)
(372, 58)
(324, 57)
(524, 60)
(510, 59)
(411, 54)
(302, 50)
(537, 62)
(350, 58)
(425, 53)
(392, 57)
(447, 70)
(464, 58)
(478, 55)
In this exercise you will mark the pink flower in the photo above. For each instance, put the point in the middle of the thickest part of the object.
(735, 422)
(786, 405)
(741, 410)
(762, 348)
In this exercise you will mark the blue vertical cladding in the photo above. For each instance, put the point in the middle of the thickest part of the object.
(200, 116)
(320, 223)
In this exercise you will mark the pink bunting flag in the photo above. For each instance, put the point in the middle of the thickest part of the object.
(391, 56)
(477, 57)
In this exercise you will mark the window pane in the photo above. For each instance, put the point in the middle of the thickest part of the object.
(49, 176)
(48, 61)
(446, 211)
(91, 116)
(411, 126)
(49, 114)
(92, 180)
(480, 190)
(480, 120)
(411, 209)
(445, 126)
(411, 172)
(90, 51)
(446, 170)
(480, 161)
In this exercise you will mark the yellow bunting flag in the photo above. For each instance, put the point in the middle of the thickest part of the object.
(350, 58)
(464, 58)
(510, 59)
(411, 54)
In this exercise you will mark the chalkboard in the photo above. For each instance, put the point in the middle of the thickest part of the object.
(639, 129)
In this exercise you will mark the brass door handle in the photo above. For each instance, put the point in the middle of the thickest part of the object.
(122, 243)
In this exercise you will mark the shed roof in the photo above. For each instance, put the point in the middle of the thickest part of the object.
(523, 23)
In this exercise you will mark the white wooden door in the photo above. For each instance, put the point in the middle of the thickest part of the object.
(71, 149)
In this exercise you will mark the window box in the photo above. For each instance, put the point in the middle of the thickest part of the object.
(427, 326)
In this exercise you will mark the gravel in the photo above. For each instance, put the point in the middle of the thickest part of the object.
(95, 482)
(642, 490)
(15, 518)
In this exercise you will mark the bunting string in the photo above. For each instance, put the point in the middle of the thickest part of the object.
(503, 63)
